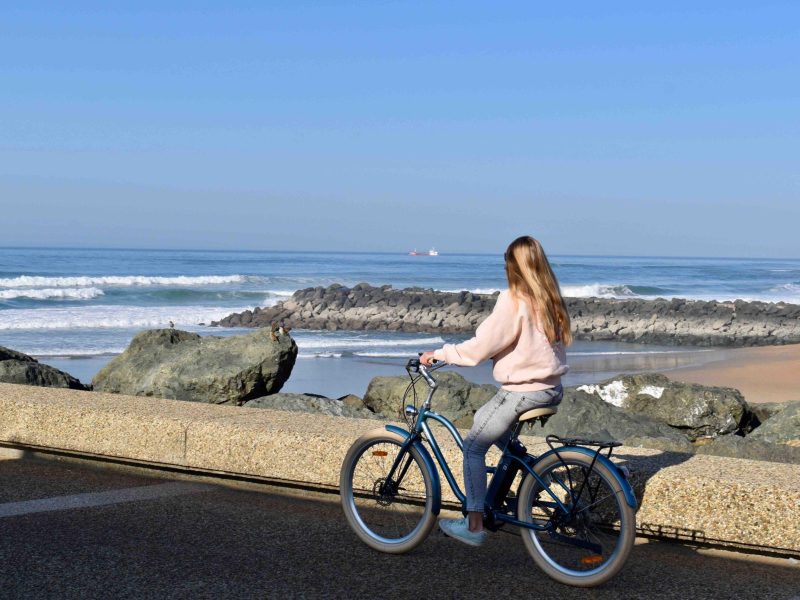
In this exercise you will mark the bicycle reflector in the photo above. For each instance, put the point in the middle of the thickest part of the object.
(379, 453)
(592, 559)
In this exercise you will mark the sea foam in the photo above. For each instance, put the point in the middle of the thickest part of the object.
(31, 281)
(52, 293)
(107, 316)
(351, 342)
(598, 290)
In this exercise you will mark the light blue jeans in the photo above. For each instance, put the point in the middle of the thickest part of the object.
(493, 424)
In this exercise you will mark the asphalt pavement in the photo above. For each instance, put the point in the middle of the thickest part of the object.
(75, 530)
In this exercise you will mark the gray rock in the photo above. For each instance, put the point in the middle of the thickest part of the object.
(660, 321)
(735, 446)
(312, 404)
(765, 410)
(581, 414)
(698, 411)
(353, 401)
(781, 428)
(169, 363)
(19, 368)
(9, 354)
(455, 397)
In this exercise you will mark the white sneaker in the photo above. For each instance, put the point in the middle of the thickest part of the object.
(459, 529)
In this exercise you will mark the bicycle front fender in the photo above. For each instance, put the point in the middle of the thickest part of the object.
(429, 464)
(630, 498)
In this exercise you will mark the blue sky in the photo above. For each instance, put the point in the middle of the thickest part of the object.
(601, 128)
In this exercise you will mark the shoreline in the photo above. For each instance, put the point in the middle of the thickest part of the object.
(334, 376)
(767, 374)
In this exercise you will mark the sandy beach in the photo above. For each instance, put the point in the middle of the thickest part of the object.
(770, 374)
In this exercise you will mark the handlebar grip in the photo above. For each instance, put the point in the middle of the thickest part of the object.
(418, 362)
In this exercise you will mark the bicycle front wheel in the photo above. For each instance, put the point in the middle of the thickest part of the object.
(589, 542)
(394, 514)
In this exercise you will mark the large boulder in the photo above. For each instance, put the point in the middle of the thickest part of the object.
(313, 404)
(783, 427)
(455, 397)
(586, 415)
(16, 367)
(169, 363)
(698, 411)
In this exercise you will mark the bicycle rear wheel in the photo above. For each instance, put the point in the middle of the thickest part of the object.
(391, 515)
(588, 543)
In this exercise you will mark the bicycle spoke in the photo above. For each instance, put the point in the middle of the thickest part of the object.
(592, 518)
(385, 507)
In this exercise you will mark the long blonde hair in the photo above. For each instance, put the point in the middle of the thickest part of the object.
(531, 279)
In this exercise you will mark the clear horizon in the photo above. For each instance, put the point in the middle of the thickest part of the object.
(625, 130)
(398, 251)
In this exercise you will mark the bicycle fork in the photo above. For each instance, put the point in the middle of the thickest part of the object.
(392, 482)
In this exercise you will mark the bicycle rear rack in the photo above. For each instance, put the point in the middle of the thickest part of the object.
(601, 445)
(577, 441)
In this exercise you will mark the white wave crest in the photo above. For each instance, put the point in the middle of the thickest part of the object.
(354, 342)
(72, 352)
(597, 290)
(52, 293)
(787, 288)
(106, 316)
(320, 355)
(31, 281)
(280, 293)
(474, 291)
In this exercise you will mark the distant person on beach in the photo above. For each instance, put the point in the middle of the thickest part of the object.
(525, 336)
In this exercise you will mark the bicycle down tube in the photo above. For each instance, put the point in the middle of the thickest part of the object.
(422, 426)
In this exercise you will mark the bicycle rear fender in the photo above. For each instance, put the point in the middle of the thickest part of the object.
(630, 498)
(435, 482)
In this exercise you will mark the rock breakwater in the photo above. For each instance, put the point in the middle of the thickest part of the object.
(660, 321)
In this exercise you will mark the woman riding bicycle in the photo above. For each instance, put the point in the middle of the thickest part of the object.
(525, 337)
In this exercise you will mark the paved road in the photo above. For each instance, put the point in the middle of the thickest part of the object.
(74, 531)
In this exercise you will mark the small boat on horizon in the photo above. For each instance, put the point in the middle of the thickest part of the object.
(431, 252)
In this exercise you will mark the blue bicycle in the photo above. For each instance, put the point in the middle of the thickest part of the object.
(574, 507)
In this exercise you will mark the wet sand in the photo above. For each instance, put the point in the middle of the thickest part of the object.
(770, 374)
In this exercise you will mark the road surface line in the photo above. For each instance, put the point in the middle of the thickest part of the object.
(88, 500)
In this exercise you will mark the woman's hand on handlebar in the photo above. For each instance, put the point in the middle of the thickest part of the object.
(426, 358)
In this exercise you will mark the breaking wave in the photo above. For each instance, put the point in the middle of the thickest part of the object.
(352, 342)
(31, 281)
(87, 293)
(109, 316)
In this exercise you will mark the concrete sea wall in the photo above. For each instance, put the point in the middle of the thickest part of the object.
(741, 503)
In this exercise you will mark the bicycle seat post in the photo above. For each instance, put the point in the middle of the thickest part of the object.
(514, 445)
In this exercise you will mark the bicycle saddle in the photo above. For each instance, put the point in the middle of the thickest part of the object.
(536, 413)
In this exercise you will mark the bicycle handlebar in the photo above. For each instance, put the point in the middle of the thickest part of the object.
(415, 366)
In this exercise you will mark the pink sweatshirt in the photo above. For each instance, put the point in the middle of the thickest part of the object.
(524, 359)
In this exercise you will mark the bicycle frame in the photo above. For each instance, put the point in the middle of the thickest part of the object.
(421, 428)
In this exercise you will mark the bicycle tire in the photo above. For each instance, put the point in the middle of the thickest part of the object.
(599, 520)
(368, 510)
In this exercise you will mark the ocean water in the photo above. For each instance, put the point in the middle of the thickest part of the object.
(76, 308)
